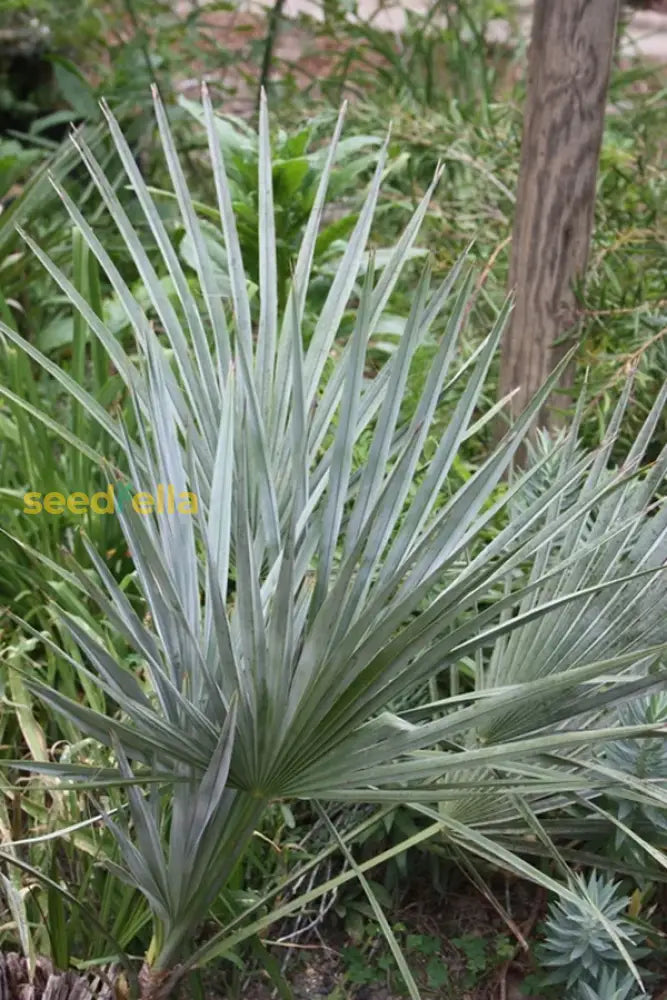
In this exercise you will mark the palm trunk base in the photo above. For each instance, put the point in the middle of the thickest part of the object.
(155, 984)
(47, 983)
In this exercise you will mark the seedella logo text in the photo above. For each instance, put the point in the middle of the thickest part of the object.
(115, 498)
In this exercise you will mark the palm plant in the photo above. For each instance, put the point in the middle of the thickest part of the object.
(294, 620)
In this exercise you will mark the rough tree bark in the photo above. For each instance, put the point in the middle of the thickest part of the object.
(571, 52)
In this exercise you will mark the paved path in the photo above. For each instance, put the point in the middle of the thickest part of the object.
(645, 35)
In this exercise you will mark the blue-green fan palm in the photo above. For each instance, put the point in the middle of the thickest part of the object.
(295, 621)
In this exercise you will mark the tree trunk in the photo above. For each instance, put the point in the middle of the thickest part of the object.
(571, 52)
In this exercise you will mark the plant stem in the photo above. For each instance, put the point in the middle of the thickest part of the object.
(269, 44)
(243, 819)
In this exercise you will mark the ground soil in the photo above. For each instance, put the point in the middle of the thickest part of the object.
(318, 968)
(514, 910)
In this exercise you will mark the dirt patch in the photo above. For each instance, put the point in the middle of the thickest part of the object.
(483, 941)
(457, 943)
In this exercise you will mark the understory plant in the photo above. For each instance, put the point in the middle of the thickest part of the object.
(611, 986)
(644, 761)
(579, 953)
(296, 165)
(293, 623)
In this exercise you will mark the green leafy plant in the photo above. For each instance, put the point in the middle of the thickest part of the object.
(14, 159)
(611, 986)
(361, 968)
(296, 169)
(473, 947)
(428, 948)
(288, 631)
(27, 448)
(643, 760)
(580, 949)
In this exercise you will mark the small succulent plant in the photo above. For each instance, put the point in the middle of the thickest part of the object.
(544, 447)
(578, 950)
(643, 759)
(613, 985)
